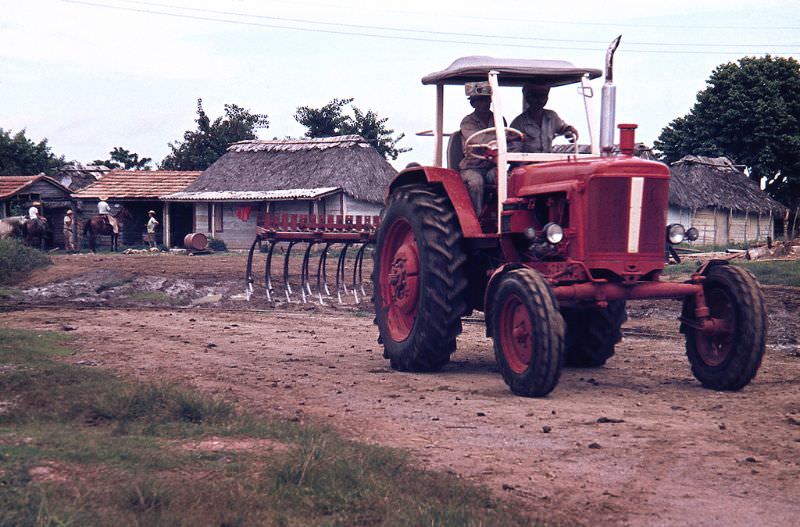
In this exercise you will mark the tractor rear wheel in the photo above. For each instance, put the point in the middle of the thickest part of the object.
(727, 358)
(592, 333)
(420, 280)
(528, 332)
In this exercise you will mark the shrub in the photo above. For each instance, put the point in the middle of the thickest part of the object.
(216, 244)
(17, 258)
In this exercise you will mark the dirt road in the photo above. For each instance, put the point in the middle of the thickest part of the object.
(637, 442)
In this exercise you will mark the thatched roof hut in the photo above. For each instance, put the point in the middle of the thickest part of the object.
(348, 162)
(707, 182)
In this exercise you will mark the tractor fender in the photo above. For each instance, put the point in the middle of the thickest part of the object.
(491, 290)
(451, 184)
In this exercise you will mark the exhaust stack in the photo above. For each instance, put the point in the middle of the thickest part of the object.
(608, 102)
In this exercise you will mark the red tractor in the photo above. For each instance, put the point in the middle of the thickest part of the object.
(554, 257)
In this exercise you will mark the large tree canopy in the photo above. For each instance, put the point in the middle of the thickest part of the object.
(750, 112)
(331, 120)
(201, 147)
(19, 156)
(123, 158)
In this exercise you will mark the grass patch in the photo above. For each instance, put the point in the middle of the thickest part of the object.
(16, 259)
(7, 292)
(768, 272)
(152, 297)
(115, 452)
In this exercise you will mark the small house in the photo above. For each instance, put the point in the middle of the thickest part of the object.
(136, 192)
(716, 197)
(17, 194)
(332, 176)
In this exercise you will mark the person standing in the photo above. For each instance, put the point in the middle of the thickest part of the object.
(69, 236)
(152, 223)
(104, 209)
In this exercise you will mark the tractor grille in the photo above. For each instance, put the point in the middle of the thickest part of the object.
(610, 211)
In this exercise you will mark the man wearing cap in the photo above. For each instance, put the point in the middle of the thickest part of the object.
(540, 126)
(33, 212)
(152, 223)
(104, 209)
(477, 172)
(69, 239)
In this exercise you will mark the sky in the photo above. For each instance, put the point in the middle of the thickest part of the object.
(90, 75)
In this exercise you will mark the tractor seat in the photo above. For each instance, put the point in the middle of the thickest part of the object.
(455, 150)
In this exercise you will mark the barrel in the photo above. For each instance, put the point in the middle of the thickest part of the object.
(195, 241)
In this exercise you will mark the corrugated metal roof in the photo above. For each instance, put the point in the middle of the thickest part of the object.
(251, 195)
(294, 145)
(122, 184)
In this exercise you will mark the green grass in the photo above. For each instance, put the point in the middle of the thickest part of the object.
(775, 272)
(152, 297)
(116, 451)
(17, 259)
(7, 292)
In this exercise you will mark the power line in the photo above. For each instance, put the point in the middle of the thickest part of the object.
(396, 37)
(431, 32)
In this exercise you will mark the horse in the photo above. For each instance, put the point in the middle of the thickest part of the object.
(12, 227)
(39, 230)
(99, 225)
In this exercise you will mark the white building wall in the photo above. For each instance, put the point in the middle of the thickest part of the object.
(356, 207)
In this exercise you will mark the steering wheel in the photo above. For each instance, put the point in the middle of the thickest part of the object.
(480, 145)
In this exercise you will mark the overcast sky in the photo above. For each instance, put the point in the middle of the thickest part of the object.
(91, 75)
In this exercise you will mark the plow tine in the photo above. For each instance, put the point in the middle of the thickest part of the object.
(358, 265)
(305, 285)
(268, 272)
(320, 270)
(248, 277)
(341, 275)
(287, 286)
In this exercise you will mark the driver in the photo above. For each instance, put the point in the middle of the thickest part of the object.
(540, 126)
(477, 172)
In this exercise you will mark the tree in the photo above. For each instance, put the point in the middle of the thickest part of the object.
(330, 120)
(201, 147)
(19, 156)
(122, 158)
(750, 112)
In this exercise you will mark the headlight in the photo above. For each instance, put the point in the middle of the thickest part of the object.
(692, 234)
(554, 233)
(675, 233)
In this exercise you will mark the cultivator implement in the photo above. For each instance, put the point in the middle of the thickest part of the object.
(328, 233)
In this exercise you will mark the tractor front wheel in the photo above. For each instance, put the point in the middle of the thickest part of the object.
(528, 332)
(727, 355)
(419, 279)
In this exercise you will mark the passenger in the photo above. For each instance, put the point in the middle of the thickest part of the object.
(540, 126)
(477, 172)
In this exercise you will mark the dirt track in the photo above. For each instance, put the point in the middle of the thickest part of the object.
(637, 442)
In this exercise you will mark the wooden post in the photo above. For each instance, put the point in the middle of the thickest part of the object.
(730, 216)
(213, 219)
(746, 220)
(167, 226)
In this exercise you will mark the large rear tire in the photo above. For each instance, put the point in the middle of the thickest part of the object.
(729, 357)
(592, 333)
(528, 332)
(420, 280)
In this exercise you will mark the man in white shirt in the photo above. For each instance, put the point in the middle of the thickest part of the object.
(69, 238)
(104, 209)
(33, 212)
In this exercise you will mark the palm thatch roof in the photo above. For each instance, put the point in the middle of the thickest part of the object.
(76, 176)
(348, 162)
(705, 182)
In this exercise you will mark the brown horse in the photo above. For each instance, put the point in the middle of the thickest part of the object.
(39, 231)
(99, 225)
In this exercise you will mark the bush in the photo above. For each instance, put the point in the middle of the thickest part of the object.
(216, 244)
(16, 258)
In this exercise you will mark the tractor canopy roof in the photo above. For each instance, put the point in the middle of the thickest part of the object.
(512, 72)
